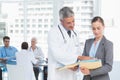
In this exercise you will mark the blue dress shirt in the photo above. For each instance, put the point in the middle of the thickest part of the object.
(8, 52)
(93, 49)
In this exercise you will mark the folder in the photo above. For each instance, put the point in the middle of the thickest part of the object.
(90, 64)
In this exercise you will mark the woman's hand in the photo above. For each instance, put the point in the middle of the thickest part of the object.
(84, 57)
(85, 71)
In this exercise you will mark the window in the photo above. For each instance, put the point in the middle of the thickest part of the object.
(51, 25)
(11, 31)
(22, 25)
(39, 20)
(11, 26)
(45, 32)
(28, 25)
(45, 26)
(33, 20)
(33, 25)
(16, 31)
(39, 25)
(16, 25)
(33, 31)
(39, 31)
(28, 20)
(22, 31)
(16, 20)
(22, 20)
(45, 20)
(28, 31)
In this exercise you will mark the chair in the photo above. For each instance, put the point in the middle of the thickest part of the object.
(15, 72)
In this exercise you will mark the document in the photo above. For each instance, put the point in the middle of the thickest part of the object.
(90, 64)
(11, 57)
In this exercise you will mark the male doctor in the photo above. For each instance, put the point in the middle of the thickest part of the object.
(63, 47)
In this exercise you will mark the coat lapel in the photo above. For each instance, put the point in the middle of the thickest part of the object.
(89, 46)
(64, 32)
(100, 49)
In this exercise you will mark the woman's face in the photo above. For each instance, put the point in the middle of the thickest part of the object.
(97, 28)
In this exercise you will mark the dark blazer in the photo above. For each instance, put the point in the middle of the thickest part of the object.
(105, 53)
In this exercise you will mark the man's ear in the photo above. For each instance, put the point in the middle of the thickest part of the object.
(61, 21)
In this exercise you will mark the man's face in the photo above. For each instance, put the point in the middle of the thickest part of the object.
(68, 23)
(33, 42)
(6, 42)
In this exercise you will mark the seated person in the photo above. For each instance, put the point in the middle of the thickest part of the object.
(7, 53)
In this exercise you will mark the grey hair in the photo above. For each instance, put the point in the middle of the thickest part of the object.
(65, 12)
(34, 38)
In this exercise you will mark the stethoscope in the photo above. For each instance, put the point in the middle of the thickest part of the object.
(65, 41)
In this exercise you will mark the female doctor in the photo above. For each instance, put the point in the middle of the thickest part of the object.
(26, 59)
(63, 47)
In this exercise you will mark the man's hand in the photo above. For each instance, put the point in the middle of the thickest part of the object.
(74, 68)
(84, 57)
(3, 59)
(85, 71)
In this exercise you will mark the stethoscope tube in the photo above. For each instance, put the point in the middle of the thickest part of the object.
(63, 34)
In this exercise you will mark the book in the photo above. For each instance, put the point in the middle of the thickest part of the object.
(90, 64)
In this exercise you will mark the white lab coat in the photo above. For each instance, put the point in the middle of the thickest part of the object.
(62, 52)
(25, 59)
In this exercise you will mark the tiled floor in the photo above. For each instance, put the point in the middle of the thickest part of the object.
(5, 76)
(114, 74)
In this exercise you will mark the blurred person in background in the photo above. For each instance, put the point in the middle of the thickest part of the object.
(26, 59)
(38, 55)
(7, 52)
